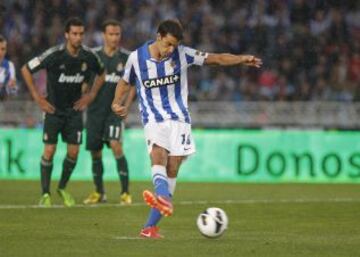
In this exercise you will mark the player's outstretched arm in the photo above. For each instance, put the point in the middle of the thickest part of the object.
(225, 59)
(87, 98)
(41, 101)
(118, 106)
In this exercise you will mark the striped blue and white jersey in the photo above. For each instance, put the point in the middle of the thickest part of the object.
(162, 86)
(7, 71)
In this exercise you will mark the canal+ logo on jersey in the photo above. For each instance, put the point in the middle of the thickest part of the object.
(163, 81)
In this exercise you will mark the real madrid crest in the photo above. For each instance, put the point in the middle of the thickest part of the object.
(120, 67)
(83, 66)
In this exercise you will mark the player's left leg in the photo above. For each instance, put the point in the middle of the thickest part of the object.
(172, 169)
(95, 126)
(113, 134)
(68, 168)
(98, 196)
(123, 170)
(68, 164)
(182, 146)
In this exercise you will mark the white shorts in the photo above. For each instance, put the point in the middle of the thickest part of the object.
(172, 135)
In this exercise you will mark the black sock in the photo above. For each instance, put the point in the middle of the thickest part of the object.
(68, 167)
(45, 174)
(123, 172)
(97, 171)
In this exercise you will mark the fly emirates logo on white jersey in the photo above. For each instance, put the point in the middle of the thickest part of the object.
(164, 81)
(71, 79)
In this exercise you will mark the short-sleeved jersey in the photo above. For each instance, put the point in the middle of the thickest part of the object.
(162, 86)
(114, 66)
(66, 73)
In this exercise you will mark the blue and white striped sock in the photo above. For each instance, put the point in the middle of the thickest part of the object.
(160, 180)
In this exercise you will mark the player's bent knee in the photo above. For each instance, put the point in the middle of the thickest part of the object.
(48, 156)
(72, 156)
(116, 147)
(49, 152)
(73, 149)
(73, 153)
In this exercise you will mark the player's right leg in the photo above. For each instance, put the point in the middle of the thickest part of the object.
(46, 166)
(52, 127)
(94, 144)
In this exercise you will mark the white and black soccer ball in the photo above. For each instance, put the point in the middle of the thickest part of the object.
(212, 222)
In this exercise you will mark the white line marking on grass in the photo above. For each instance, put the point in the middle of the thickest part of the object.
(128, 238)
(209, 202)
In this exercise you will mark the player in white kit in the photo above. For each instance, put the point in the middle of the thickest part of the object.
(159, 71)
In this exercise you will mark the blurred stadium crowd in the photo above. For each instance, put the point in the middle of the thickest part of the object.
(310, 48)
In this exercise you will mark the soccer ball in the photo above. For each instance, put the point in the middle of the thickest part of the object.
(212, 222)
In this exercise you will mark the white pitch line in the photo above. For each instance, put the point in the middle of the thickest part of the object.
(244, 201)
(128, 238)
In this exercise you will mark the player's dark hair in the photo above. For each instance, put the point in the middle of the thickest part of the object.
(73, 21)
(2, 39)
(172, 27)
(109, 22)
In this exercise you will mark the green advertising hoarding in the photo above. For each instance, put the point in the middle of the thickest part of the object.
(268, 156)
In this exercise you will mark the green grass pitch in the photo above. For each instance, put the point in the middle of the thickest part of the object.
(264, 220)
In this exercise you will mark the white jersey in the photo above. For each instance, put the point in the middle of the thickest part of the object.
(162, 86)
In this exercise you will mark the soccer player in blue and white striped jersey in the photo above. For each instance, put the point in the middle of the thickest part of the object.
(7, 72)
(159, 71)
